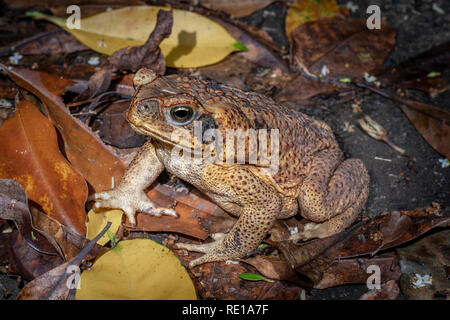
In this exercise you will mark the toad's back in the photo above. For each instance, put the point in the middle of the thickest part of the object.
(301, 137)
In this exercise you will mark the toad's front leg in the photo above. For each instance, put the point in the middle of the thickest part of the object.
(259, 204)
(129, 194)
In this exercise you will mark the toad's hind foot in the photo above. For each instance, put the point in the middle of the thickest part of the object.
(213, 251)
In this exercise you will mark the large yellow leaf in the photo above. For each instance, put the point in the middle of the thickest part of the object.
(138, 269)
(303, 11)
(195, 40)
(97, 222)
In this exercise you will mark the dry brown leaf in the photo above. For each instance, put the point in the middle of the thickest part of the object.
(257, 52)
(30, 155)
(354, 271)
(314, 258)
(98, 83)
(302, 88)
(85, 151)
(424, 265)
(14, 206)
(42, 241)
(345, 47)
(369, 239)
(234, 71)
(54, 42)
(68, 241)
(7, 91)
(57, 282)
(303, 11)
(43, 287)
(435, 131)
(415, 72)
(114, 128)
(276, 268)
(193, 210)
(310, 258)
(125, 85)
(388, 291)
(27, 262)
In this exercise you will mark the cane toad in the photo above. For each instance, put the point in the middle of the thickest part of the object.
(310, 176)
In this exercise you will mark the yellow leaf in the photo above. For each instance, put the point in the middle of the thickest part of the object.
(138, 269)
(195, 40)
(303, 11)
(97, 222)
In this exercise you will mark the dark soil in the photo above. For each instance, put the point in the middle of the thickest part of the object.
(397, 183)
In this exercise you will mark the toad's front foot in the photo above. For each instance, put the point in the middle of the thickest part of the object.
(129, 201)
(213, 251)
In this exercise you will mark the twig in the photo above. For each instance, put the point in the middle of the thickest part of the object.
(418, 106)
(8, 50)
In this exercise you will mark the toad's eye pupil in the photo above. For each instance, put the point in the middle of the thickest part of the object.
(182, 114)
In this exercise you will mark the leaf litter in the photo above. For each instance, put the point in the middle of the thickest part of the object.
(314, 72)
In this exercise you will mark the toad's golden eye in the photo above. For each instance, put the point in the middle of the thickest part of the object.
(181, 115)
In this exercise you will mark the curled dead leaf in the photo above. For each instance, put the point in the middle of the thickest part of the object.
(14, 206)
(148, 55)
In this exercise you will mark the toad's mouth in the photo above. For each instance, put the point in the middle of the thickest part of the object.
(142, 129)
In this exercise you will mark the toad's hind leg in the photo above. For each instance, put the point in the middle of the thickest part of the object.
(259, 205)
(332, 194)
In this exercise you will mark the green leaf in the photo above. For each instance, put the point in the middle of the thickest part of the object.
(240, 46)
(433, 74)
(253, 277)
(113, 238)
(345, 80)
(263, 245)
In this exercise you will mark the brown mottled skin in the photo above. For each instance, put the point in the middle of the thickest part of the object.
(313, 179)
